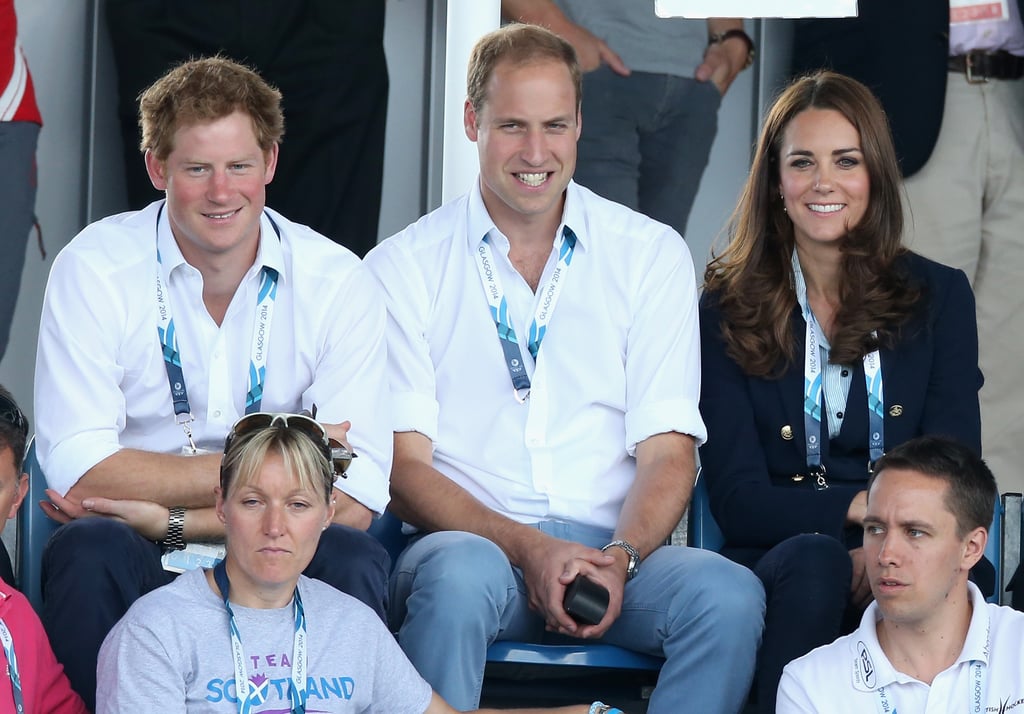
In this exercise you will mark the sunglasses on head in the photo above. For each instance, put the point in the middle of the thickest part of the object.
(337, 455)
(10, 413)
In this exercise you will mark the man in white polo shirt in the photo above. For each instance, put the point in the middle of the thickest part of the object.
(544, 372)
(929, 642)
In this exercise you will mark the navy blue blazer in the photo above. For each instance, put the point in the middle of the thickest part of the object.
(754, 473)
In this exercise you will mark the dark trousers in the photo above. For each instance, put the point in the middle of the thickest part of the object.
(95, 568)
(327, 59)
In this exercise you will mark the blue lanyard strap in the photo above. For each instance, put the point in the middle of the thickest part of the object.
(813, 376)
(12, 667)
(249, 692)
(503, 320)
(168, 336)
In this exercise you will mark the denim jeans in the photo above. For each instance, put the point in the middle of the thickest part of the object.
(455, 593)
(646, 140)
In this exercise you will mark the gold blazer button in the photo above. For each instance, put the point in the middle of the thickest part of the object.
(896, 410)
(787, 432)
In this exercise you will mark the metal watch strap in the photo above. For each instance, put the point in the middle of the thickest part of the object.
(602, 708)
(634, 556)
(175, 538)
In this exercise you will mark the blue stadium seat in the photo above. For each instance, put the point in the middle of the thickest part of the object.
(34, 530)
(388, 530)
(702, 531)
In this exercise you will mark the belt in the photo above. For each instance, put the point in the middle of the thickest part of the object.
(982, 66)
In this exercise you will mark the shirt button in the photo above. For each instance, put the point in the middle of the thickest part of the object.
(845, 373)
(216, 414)
(839, 415)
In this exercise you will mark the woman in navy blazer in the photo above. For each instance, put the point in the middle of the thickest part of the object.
(815, 266)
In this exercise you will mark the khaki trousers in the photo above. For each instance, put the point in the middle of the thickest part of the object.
(967, 210)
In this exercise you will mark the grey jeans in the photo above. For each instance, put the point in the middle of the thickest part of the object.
(646, 140)
(17, 213)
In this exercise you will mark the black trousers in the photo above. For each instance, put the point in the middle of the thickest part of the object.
(95, 568)
(326, 57)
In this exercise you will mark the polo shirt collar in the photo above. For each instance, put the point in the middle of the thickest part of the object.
(269, 254)
(479, 222)
(872, 669)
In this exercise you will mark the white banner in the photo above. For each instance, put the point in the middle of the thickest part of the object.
(755, 8)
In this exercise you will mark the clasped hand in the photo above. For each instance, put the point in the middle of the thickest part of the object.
(550, 568)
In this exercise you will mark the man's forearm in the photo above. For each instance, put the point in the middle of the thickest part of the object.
(426, 498)
(167, 479)
(656, 501)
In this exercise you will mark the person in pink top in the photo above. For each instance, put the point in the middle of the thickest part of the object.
(36, 683)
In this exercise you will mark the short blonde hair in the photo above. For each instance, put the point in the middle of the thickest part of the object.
(247, 453)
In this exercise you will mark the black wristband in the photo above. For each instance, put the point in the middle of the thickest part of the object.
(720, 37)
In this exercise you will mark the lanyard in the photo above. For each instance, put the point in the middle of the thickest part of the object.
(251, 693)
(172, 355)
(503, 321)
(12, 667)
(976, 694)
(813, 402)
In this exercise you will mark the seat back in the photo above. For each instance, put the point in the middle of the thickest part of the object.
(702, 530)
(388, 530)
(994, 549)
(34, 530)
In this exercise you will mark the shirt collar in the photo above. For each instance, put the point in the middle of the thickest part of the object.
(479, 222)
(872, 669)
(800, 287)
(269, 254)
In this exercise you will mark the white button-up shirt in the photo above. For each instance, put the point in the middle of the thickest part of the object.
(101, 383)
(620, 361)
(845, 676)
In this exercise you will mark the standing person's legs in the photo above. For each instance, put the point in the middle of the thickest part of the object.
(674, 145)
(93, 570)
(17, 213)
(452, 594)
(998, 285)
(966, 207)
(646, 140)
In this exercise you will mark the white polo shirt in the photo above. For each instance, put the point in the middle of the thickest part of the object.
(101, 384)
(620, 360)
(846, 676)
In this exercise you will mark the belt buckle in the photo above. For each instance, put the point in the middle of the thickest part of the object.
(969, 70)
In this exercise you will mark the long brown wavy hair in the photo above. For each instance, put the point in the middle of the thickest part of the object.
(752, 280)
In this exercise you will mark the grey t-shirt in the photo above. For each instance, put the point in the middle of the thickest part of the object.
(171, 652)
(646, 42)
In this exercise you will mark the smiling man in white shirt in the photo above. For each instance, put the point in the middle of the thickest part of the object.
(161, 327)
(544, 374)
(929, 642)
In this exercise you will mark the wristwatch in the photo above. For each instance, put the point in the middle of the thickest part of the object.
(602, 708)
(717, 38)
(634, 557)
(175, 538)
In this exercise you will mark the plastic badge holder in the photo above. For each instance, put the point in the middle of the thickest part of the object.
(585, 600)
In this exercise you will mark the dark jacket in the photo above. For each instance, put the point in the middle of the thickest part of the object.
(930, 381)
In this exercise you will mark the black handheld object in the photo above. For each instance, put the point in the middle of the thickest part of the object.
(585, 600)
